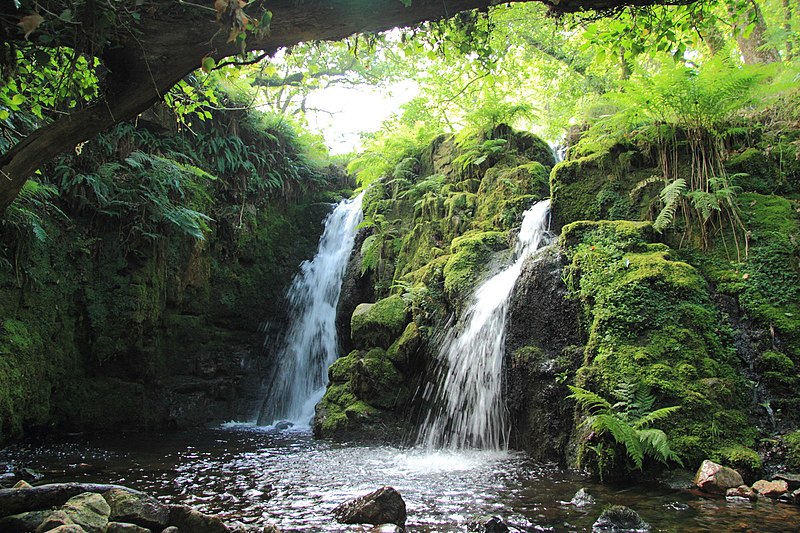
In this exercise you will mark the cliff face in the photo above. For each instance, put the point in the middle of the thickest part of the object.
(118, 315)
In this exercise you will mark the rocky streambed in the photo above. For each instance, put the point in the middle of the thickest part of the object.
(250, 479)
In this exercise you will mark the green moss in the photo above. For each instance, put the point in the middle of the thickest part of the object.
(470, 253)
(738, 457)
(650, 319)
(753, 171)
(403, 351)
(378, 324)
(792, 443)
(776, 362)
(341, 370)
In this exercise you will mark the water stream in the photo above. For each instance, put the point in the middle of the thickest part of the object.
(468, 407)
(310, 345)
(254, 475)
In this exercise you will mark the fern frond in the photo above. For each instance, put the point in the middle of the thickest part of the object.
(659, 414)
(655, 444)
(622, 433)
(589, 400)
(670, 195)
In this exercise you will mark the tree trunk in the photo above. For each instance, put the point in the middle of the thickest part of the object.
(754, 48)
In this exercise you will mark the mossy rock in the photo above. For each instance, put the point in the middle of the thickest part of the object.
(470, 253)
(375, 380)
(378, 324)
(404, 350)
(792, 443)
(753, 171)
(742, 459)
(342, 369)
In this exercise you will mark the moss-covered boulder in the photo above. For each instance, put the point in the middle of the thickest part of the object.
(378, 324)
(469, 256)
(651, 320)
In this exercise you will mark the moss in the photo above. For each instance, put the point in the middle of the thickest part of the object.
(470, 253)
(650, 319)
(375, 380)
(739, 458)
(341, 370)
(378, 324)
(792, 443)
(404, 350)
(753, 171)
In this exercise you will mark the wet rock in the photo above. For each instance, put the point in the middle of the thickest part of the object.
(187, 519)
(384, 506)
(68, 528)
(378, 324)
(172, 529)
(271, 528)
(19, 523)
(792, 479)
(53, 520)
(582, 499)
(283, 425)
(742, 491)
(715, 478)
(620, 519)
(122, 527)
(22, 484)
(138, 509)
(795, 497)
(494, 524)
(89, 510)
(771, 489)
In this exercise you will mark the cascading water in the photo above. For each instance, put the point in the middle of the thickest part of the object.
(310, 345)
(467, 411)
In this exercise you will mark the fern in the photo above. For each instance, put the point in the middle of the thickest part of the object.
(628, 423)
(671, 196)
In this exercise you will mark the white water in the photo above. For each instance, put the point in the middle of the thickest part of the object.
(311, 344)
(468, 408)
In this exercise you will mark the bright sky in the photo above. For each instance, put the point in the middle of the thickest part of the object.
(353, 110)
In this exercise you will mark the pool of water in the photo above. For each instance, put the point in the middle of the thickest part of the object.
(255, 476)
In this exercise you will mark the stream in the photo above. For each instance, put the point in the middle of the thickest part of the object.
(253, 475)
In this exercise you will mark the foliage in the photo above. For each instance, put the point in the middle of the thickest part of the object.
(628, 422)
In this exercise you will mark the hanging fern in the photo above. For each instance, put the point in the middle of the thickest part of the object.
(671, 196)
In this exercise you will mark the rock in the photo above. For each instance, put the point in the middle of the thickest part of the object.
(619, 518)
(384, 506)
(582, 499)
(68, 528)
(53, 520)
(379, 324)
(22, 484)
(795, 497)
(715, 478)
(771, 489)
(187, 519)
(89, 510)
(138, 509)
(742, 491)
(283, 425)
(792, 479)
(494, 524)
(19, 523)
(123, 527)
(171, 529)
(271, 528)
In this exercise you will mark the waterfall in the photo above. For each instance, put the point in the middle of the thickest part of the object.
(310, 344)
(468, 408)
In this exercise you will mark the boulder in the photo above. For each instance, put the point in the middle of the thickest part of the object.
(742, 491)
(795, 497)
(270, 528)
(582, 499)
(68, 528)
(771, 489)
(89, 510)
(173, 529)
(21, 522)
(714, 478)
(53, 520)
(187, 519)
(383, 506)
(792, 479)
(123, 527)
(379, 324)
(137, 508)
(620, 519)
(494, 524)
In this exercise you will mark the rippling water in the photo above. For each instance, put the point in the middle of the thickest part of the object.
(256, 476)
